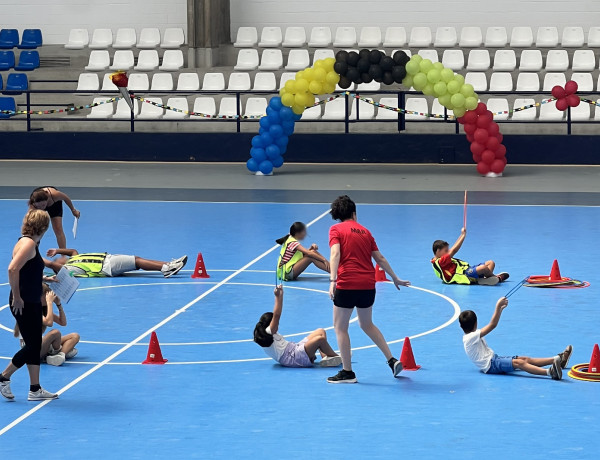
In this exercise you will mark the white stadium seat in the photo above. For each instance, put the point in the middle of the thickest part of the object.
(322, 54)
(180, 103)
(583, 61)
(101, 39)
(581, 112)
(101, 111)
(78, 39)
(573, 37)
(478, 80)
(438, 109)
(496, 37)
(298, 60)
(125, 38)
(501, 81)
(320, 37)
(172, 60)
(265, 81)
(107, 84)
(528, 114)
(496, 105)
(549, 112)
(88, 82)
(205, 105)
(557, 60)
(247, 60)
(432, 55)
(597, 110)
(295, 37)
(99, 60)
(149, 38)
(162, 82)
(420, 36)
(478, 60)
(247, 37)
(188, 81)
(394, 37)
(239, 81)
(335, 110)
(373, 86)
(593, 40)
(470, 37)
(147, 60)
(505, 60)
(123, 111)
(213, 81)
(584, 81)
(552, 79)
(416, 104)
(531, 61)
(151, 111)
(139, 82)
(173, 38)
(453, 59)
(256, 106)
(228, 107)
(528, 81)
(445, 37)
(547, 37)
(271, 59)
(345, 36)
(521, 37)
(270, 37)
(387, 114)
(312, 113)
(370, 37)
(122, 60)
(366, 111)
(285, 76)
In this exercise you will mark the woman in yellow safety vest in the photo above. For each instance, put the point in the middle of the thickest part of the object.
(294, 258)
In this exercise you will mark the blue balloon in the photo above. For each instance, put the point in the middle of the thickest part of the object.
(276, 131)
(263, 131)
(272, 151)
(296, 116)
(273, 116)
(282, 141)
(277, 161)
(288, 128)
(265, 122)
(252, 165)
(266, 140)
(258, 154)
(257, 141)
(286, 114)
(266, 167)
(275, 103)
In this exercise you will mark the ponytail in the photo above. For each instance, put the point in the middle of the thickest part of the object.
(261, 336)
(296, 228)
(282, 240)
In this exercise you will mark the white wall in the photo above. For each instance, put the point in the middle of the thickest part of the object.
(57, 17)
(431, 13)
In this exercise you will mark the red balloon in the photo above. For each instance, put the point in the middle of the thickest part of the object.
(493, 128)
(501, 151)
(488, 157)
(562, 104)
(500, 137)
(571, 87)
(483, 168)
(476, 158)
(558, 92)
(505, 161)
(497, 166)
(481, 108)
(470, 138)
(477, 148)
(470, 128)
(573, 100)
(484, 121)
(492, 143)
(470, 116)
(481, 135)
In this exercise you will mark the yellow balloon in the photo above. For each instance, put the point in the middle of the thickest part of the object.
(309, 74)
(328, 88)
(319, 64)
(320, 74)
(298, 109)
(282, 91)
(300, 75)
(299, 99)
(315, 87)
(301, 85)
(309, 100)
(332, 78)
(329, 62)
(287, 99)
(290, 86)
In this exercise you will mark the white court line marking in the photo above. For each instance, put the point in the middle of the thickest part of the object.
(146, 333)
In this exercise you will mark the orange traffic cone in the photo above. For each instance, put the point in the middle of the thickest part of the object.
(200, 269)
(380, 274)
(408, 358)
(154, 354)
(594, 365)
(555, 272)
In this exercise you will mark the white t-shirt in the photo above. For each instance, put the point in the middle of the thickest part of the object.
(477, 350)
(278, 346)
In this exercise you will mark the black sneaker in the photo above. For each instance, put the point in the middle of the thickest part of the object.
(343, 376)
(396, 366)
(565, 356)
(555, 370)
(503, 276)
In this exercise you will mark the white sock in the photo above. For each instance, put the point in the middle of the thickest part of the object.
(548, 371)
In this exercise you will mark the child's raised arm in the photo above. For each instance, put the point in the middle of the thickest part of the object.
(277, 309)
(459, 242)
(500, 305)
(64, 197)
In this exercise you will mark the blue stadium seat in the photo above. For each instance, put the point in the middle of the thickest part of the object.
(9, 38)
(7, 103)
(32, 38)
(1, 82)
(7, 60)
(16, 82)
(28, 60)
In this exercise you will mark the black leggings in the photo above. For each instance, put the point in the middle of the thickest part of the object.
(30, 326)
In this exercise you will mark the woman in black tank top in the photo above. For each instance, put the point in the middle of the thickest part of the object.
(25, 275)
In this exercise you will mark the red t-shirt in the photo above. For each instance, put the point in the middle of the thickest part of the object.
(447, 266)
(355, 270)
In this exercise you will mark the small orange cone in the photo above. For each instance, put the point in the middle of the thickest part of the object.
(555, 272)
(200, 269)
(154, 354)
(380, 274)
(408, 358)
(594, 365)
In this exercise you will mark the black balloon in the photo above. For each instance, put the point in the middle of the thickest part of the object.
(366, 78)
(387, 63)
(341, 56)
(375, 56)
(352, 59)
(363, 65)
(340, 68)
(400, 57)
(364, 53)
(352, 74)
(398, 73)
(376, 72)
(344, 82)
(387, 78)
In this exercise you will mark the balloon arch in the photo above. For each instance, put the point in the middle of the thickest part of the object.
(431, 78)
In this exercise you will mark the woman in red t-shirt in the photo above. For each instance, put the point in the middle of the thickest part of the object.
(352, 284)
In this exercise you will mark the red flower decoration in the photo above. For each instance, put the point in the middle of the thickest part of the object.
(566, 97)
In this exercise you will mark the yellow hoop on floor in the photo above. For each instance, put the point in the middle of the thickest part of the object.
(579, 372)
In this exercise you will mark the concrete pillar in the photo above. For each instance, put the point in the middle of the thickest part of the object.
(208, 28)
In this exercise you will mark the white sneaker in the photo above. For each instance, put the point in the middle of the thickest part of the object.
(490, 281)
(5, 390)
(183, 260)
(56, 360)
(71, 354)
(171, 268)
(41, 395)
(331, 361)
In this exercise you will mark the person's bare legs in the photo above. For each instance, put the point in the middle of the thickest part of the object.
(487, 269)
(51, 338)
(532, 365)
(365, 321)
(341, 321)
(69, 341)
(148, 265)
(57, 227)
(317, 340)
(34, 374)
(10, 370)
(301, 265)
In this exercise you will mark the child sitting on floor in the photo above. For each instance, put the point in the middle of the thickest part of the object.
(291, 354)
(294, 258)
(456, 271)
(490, 363)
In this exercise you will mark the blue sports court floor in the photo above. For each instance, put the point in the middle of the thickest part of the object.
(220, 397)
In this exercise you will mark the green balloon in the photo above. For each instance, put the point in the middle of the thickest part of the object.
(433, 76)
(412, 68)
(453, 87)
(447, 75)
(425, 65)
(438, 66)
(467, 90)
(471, 103)
(457, 100)
(459, 111)
(416, 58)
(445, 100)
(408, 81)
(419, 81)
(460, 79)
(439, 89)
(428, 90)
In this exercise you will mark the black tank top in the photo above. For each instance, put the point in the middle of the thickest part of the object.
(30, 278)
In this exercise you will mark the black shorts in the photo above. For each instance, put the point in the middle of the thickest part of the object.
(56, 210)
(350, 298)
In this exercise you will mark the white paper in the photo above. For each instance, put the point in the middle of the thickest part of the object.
(65, 285)
(75, 228)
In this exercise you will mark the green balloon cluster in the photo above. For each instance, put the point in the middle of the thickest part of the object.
(433, 79)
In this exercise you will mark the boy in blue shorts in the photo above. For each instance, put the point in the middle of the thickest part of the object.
(455, 271)
(490, 363)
